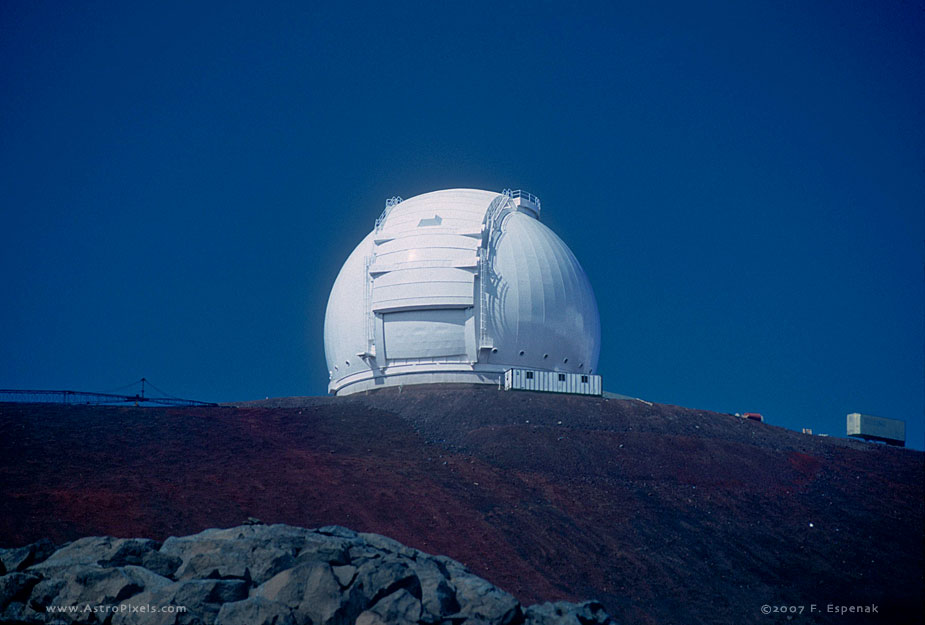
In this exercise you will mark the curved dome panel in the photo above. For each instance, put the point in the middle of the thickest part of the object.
(458, 286)
(545, 315)
(345, 318)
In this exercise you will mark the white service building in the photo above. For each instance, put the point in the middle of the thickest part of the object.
(460, 286)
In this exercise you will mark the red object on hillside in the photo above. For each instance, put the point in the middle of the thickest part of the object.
(754, 416)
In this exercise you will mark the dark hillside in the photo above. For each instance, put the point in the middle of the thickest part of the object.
(665, 514)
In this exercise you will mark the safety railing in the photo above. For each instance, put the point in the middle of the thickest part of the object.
(389, 204)
(520, 193)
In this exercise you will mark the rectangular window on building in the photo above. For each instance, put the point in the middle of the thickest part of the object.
(584, 379)
(529, 375)
(562, 377)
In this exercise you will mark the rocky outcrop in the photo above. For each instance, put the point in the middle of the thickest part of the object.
(259, 575)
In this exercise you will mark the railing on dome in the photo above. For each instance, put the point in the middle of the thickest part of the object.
(389, 204)
(522, 194)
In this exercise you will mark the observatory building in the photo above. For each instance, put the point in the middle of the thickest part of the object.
(462, 286)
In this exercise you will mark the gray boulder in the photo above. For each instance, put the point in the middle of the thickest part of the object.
(345, 574)
(16, 612)
(380, 577)
(311, 591)
(186, 602)
(336, 530)
(333, 549)
(17, 559)
(564, 613)
(384, 544)
(264, 575)
(255, 611)
(194, 592)
(16, 587)
(398, 608)
(481, 601)
(252, 552)
(106, 551)
(44, 593)
(98, 586)
(142, 552)
(438, 595)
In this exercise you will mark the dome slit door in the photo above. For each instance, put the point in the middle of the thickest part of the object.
(434, 333)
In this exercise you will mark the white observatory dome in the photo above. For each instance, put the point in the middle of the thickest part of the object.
(458, 286)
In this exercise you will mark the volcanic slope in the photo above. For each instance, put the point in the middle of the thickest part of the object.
(665, 514)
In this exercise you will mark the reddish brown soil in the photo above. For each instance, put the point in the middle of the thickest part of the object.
(667, 515)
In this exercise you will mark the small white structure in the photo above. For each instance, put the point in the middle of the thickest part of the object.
(552, 382)
(868, 427)
(459, 285)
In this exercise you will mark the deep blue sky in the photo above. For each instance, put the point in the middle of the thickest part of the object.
(744, 184)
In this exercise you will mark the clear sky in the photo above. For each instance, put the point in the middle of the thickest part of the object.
(743, 182)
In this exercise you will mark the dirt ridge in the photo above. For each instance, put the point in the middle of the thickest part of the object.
(665, 514)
